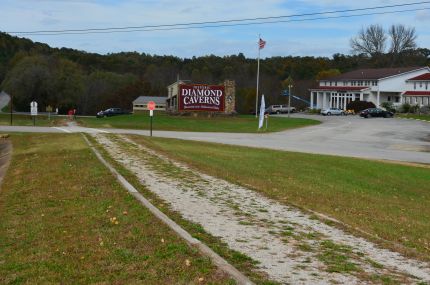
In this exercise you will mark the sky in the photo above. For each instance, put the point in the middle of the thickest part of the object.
(307, 38)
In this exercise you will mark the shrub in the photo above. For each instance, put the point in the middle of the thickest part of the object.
(425, 109)
(406, 107)
(314, 111)
(359, 106)
(388, 106)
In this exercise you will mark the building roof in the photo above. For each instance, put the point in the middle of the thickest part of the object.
(425, 76)
(145, 99)
(340, 88)
(372, 73)
(417, 93)
(181, 81)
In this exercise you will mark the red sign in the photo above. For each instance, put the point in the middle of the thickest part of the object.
(151, 105)
(199, 97)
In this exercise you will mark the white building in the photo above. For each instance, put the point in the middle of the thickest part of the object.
(172, 94)
(397, 85)
(141, 102)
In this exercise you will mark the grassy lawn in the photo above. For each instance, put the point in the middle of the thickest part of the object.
(161, 121)
(415, 116)
(27, 120)
(65, 220)
(383, 199)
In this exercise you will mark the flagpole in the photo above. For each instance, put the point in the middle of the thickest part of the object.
(258, 77)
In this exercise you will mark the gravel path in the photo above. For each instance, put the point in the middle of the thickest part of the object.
(289, 245)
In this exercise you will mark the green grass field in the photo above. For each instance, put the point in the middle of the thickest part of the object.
(384, 199)
(27, 120)
(65, 220)
(415, 116)
(161, 121)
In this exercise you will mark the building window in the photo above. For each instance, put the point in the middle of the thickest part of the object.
(427, 85)
(415, 85)
(335, 83)
(421, 84)
(389, 98)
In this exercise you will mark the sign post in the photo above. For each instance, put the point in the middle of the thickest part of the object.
(49, 110)
(151, 107)
(11, 110)
(33, 106)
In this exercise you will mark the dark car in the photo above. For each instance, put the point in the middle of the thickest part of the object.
(376, 112)
(111, 112)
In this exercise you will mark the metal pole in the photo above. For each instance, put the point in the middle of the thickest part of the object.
(151, 127)
(11, 106)
(34, 121)
(258, 77)
(289, 99)
(267, 122)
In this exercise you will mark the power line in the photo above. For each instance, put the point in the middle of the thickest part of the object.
(193, 24)
(90, 31)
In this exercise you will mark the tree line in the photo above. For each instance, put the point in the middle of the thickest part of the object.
(68, 78)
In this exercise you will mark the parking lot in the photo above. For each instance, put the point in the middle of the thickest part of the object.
(373, 138)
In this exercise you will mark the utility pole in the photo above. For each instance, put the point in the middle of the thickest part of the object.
(289, 99)
(288, 83)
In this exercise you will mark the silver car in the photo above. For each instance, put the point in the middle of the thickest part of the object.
(333, 111)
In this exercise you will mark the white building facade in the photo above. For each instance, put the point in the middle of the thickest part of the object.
(396, 85)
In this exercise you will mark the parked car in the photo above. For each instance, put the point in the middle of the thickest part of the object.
(279, 109)
(333, 111)
(111, 112)
(376, 112)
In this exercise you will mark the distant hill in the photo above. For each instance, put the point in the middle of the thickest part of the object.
(68, 78)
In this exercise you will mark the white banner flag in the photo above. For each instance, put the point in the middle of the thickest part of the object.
(262, 109)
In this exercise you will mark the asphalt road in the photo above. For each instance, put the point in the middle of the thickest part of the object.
(376, 138)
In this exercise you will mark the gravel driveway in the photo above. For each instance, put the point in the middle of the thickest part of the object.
(289, 245)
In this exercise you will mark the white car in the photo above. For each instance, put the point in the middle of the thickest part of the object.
(333, 111)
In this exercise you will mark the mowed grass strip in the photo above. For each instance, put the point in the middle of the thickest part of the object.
(424, 117)
(387, 200)
(65, 219)
(162, 121)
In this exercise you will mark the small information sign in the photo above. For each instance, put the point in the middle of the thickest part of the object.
(33, 108)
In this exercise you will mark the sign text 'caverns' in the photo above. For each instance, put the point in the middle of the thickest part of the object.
(198, 97)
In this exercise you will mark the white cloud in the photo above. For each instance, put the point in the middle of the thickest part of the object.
(323, 37)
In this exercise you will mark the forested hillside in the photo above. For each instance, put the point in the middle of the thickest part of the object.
(67, 78)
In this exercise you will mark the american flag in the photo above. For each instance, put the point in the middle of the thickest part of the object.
(261, 43)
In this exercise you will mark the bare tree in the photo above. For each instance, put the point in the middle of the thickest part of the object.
(370, 41)
(402, 39)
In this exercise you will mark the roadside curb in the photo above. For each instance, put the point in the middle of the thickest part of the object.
(413, 119)
(220, 262)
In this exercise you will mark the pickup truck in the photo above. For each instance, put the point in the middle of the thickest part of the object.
(279, 109)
